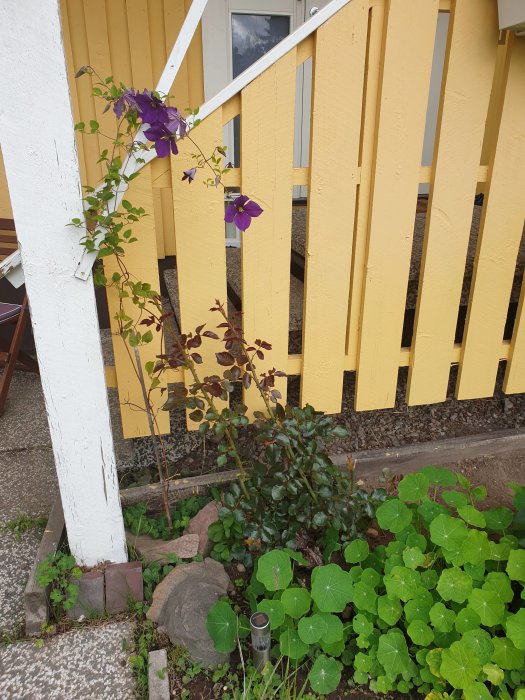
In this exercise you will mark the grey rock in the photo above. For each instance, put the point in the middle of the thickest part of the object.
(181, 603)
(200, 523)
(91, 595)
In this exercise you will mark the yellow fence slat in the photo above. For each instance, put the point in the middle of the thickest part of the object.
(201, 253)
(364, 191)
(407, 62)
(471, 57)
(267, 136)
(498, 243)
(83, 86)
(117, 23)
(5, 202)
(335, 137)
(141, 257)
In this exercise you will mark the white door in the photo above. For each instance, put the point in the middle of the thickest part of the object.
(235, 34)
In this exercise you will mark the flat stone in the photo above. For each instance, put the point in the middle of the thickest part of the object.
(91, 596)
(185, 547)
(123, 585)
(158, 680)
(181, 603)
(89, 663)
(200, 523)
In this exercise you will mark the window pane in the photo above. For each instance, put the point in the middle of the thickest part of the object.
(252, 37)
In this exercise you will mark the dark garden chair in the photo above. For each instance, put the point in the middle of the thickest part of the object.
(11, 355)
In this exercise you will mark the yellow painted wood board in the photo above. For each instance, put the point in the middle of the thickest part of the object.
(499, 239)
(364, 191)
(470, 63)
(5, 202)
(80, 57)
(407, 61)
(201, 253)
(267, 136)
(119, 41)
(141, 261)
(339, 61)
(166, 197)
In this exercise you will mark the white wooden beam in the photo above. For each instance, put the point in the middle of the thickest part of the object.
(38, 146)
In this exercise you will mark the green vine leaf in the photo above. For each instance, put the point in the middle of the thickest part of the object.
(441, 617)
(275, 611)
(472, 516)
(448, 532)
(356, 551)
(481, 644)
(487, 605)
(420, 633)
(454, 584)
(506, 655)
(440, 476)
(477, 691)
(515, 626)
(389, 609)
(516, 565)
(291, 645)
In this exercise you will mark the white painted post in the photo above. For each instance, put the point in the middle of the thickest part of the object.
(37, 137)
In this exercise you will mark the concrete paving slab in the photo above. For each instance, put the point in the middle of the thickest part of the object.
(29, 482)
(86, 664)
(24, 423)
(16, 559)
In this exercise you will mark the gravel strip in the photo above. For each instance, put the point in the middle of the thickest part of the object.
(88, 663)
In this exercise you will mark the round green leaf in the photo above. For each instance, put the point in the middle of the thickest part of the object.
(454, 498)
(334, 629)
(221, 624)
(363, 662)
(392, 653)
(515, 626)
(475, 548)
(393, 516)
(325, 674)
(499, 582)
(331, 588)
(370, 577)
(402, 583)
(448, 532)
(429, 510)
(481, 644)
(418, 608)
(472, 515)
(356, 551)
(420, 633)
(466, 620)
(429, 578)
(274, 570)
(413, 557)
(311, 629)
(440, 476)
(516, 565)
(454, 584)
(487, 605)
(413, 487)
(506, 655)
(296, 602)
(477, 691)
(362, 625)
(333, 649)
(275, 611)
(495, 674)
(441, 617)
(389, 609)
(459, 666)
(291, 645)
(364, 597)
(498, 519)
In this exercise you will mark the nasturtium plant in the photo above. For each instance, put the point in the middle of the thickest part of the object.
(438, 610)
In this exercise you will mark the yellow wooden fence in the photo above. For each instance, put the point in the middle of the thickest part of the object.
(371, 77)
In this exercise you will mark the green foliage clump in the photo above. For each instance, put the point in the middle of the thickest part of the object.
(138, 522)
(59, 571)
(293, 488)
(439, 610)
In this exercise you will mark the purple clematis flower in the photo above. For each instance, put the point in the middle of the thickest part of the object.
(151, 108)
(163, 139)
(241, 211)
(176, 123)
(125, 101)
(189, 175)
